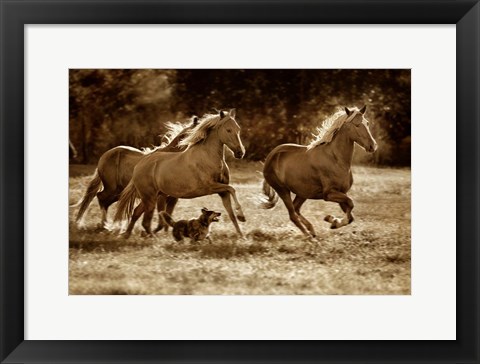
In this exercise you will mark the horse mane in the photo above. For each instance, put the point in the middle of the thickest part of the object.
(201, 131)
(173, 130)
(331, 126)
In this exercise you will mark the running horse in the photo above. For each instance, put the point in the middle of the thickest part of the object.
(320, 170)
(200, 170)
(115, 168)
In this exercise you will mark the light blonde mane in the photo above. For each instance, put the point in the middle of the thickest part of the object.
(201, 131)
(331, 126)
(173, 130)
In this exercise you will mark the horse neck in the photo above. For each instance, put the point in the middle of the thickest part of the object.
(341, 147)
(211, 147)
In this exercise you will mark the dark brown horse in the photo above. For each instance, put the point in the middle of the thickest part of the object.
(115, 169)
(320, 170)
(200, 170)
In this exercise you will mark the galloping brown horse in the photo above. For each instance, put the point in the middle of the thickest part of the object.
(115, 169)
(200, 170)
(320, 170)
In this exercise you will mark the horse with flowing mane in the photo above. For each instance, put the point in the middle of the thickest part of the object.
(115, 168)
(320, 170)
(199, 170)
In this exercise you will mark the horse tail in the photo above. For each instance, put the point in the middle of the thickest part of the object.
(92, 189)
(271, 197)
(168, 218)
(126, 203)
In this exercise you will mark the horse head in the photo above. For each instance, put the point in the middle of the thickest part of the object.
(360, 131)
(229, 133)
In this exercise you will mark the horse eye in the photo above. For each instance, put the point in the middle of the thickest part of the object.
(229, 130)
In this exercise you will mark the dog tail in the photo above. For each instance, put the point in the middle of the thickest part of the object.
(270, 198)
(168, 219)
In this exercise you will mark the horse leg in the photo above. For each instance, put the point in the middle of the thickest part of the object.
(171, 203)
(105, 199)
(238, 207)
(346, 208)
(287, 200)
(227, 203)
(221, 187)
(135, 216)
(147, 216)
(346, 204)
(297, 204)
(160, 208)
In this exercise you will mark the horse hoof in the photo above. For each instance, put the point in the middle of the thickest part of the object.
(125, 235)
(146, 235)
(329, 218)
(108, 227)
(241, 218)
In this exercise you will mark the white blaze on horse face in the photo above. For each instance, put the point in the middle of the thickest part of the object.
(241, 144)
(232, 139)
(366, 139)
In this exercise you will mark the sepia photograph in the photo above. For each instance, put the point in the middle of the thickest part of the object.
(239, 182)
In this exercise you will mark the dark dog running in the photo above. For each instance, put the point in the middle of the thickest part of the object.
(195, 229)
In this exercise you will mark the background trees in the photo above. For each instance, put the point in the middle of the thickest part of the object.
(113, 107)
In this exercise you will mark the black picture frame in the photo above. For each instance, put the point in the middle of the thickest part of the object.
(15, 14)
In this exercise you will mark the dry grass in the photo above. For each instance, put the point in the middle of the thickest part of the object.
(370, 256)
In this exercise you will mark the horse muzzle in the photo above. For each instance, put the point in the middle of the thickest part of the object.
(372, 148)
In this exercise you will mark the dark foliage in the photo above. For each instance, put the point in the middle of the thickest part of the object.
(112, 107)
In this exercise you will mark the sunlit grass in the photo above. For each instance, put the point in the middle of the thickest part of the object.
(370, 256)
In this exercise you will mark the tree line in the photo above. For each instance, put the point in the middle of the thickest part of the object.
(130, 107)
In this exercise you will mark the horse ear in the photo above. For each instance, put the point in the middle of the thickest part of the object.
(348, 111)
(204, 209)
(363, 109)
(195, 120)
(222, 114)
(232, 113)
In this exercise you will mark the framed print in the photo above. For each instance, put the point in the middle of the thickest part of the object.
(395, 280)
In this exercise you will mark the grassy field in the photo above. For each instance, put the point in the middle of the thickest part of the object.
(370, 256)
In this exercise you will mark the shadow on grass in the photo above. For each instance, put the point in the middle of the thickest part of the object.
(93, 240)
(227, 250)
(107, 245)
(225, 246)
